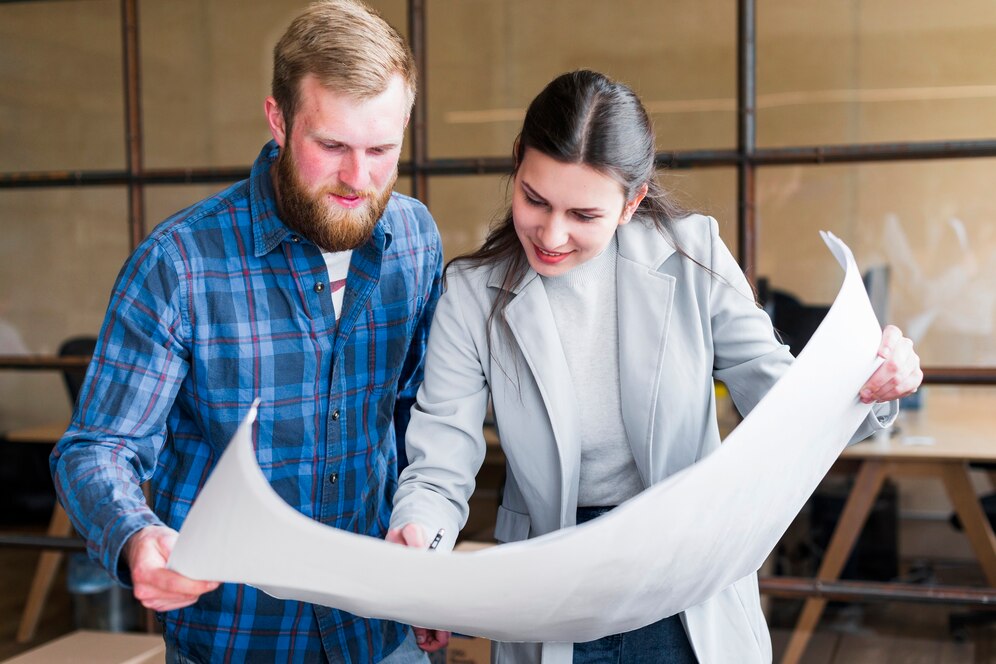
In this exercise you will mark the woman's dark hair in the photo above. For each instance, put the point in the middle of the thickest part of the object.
(582, 117)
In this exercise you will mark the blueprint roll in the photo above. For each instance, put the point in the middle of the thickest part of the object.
(647, 559)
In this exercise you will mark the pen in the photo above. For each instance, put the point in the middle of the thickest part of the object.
(437, 539)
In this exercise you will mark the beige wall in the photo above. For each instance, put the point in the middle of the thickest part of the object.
(829, 72)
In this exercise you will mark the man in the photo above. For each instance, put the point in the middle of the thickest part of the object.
(310, 286)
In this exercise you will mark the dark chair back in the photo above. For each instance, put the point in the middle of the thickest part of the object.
(76, 346)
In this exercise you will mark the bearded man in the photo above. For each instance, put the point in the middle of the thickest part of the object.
(309, 286)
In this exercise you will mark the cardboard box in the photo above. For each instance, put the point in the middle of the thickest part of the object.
(468, 650)
(85, 647)
(467, 546)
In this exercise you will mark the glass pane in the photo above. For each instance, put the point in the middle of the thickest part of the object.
(404, 185)
(161, 201)
(60, 71)
(709, 191)
(464, 208)
(206, 71)
(487, 60)
(859, 72)
(925, 227)
(61, 252)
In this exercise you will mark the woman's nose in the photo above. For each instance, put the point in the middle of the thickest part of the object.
(553, 231)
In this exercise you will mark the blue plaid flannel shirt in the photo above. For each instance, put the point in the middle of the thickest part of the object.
(222, 304)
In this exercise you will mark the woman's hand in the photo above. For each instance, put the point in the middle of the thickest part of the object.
(429, 640)
(899, 375)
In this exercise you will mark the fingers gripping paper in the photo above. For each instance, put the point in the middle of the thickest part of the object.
(652, 557)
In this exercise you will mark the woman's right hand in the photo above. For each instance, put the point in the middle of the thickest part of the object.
(410, 535)
(429, 640)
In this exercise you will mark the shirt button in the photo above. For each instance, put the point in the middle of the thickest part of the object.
(335, 415)
(333, 478)
(295, 238)
(319, 287)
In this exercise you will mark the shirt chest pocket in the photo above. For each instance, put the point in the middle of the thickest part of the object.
(381, 347)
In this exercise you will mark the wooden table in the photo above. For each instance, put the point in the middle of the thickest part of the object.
(955, 427)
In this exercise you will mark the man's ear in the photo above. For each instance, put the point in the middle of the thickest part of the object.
(275, 119)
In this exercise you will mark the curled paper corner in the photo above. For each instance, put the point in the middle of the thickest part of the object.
(839, 250)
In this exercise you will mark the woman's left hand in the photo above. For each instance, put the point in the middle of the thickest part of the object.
(899, 375)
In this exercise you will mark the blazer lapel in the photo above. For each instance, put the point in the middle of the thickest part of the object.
(645, 298)
(532, 324)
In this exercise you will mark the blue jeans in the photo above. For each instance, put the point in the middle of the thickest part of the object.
(407, 653)
(663, 642)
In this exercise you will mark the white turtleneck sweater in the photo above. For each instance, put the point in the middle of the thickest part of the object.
(584, 307)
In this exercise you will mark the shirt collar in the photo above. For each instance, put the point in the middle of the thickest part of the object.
(268, 230)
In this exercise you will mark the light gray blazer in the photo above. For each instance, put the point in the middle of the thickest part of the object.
(680, 327)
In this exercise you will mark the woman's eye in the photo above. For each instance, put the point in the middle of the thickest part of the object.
(533, 201)
(583, 217)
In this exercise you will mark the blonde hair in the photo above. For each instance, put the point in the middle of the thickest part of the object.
(348, 46)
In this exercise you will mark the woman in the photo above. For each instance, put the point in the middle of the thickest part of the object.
(596, 317)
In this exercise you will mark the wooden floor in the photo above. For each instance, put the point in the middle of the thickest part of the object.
(851, 634)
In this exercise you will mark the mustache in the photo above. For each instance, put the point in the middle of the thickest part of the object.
(349, 192)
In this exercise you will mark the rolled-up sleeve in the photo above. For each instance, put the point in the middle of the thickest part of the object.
(119, 423)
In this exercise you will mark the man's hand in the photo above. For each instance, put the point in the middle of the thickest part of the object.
(156, 587)
(899, 375)
(429, 640)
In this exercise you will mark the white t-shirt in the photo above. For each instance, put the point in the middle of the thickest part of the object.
(338, 267)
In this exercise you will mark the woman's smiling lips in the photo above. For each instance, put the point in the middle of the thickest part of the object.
(550, 257)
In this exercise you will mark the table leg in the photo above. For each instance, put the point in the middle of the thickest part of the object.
(973, 519)
(48, 565)
(852, 519)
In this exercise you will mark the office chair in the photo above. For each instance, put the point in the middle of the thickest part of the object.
(794, 321)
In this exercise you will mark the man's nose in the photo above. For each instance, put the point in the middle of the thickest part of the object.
(353, 171)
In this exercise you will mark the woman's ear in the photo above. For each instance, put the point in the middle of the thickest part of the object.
(630, 208)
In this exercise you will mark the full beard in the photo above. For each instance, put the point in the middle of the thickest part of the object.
(317, 218)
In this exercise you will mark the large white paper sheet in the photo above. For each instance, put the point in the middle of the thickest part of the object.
(670, 548)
